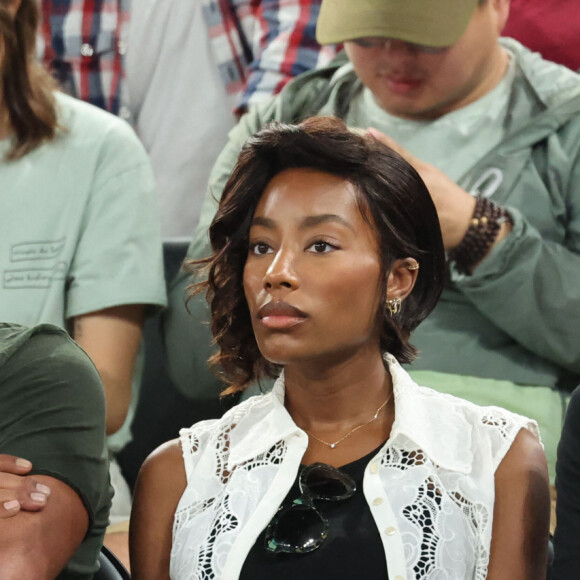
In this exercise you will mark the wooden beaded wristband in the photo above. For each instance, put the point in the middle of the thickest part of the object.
(480, 236)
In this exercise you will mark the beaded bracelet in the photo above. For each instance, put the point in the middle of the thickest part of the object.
(480, 236)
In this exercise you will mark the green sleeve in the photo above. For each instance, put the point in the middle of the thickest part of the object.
(118, 257)
(529, 286)
(53, 414)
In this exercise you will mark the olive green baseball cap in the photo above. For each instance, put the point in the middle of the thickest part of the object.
(429, 22)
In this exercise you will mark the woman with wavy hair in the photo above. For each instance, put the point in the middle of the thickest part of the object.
(80, 243)
(327, 254)
(27, 102)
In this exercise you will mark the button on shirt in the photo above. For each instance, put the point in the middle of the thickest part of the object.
(85, 43)
(438, 465)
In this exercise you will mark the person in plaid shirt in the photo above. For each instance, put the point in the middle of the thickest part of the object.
(99, 54)
(83, 43)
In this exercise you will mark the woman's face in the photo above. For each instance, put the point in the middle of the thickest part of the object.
(312, 278)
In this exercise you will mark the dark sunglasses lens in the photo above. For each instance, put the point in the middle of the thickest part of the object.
(322, 481)
(296, 529)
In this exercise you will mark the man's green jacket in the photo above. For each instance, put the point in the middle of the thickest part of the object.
(517, 318)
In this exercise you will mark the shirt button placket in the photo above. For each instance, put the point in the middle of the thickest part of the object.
(379, 501)
(87, 49)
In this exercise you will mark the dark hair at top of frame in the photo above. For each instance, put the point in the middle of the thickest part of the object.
(26, 87)
(391, 197)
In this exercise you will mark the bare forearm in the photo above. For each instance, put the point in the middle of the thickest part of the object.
(111, 338)
(17, 564)
(117, 399)
(51, 535)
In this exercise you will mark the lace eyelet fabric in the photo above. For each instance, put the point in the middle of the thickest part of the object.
(430, 487)
(212, 523)
(441, 524)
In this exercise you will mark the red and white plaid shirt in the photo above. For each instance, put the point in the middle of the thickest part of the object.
(259, 46)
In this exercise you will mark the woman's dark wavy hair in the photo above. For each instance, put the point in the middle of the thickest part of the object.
(391, 197)
(26, 87)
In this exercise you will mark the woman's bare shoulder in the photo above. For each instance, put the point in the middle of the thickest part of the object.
(521, 512)
(159, 487)
(164, 468)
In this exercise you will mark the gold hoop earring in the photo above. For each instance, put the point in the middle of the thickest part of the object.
(394, 306)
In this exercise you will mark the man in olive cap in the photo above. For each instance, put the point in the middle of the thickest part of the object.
(494, 131)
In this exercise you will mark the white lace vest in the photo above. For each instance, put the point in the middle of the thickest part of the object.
(432, 483)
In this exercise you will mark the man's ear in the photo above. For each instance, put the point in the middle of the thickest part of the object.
(502, 12)
(402, 277)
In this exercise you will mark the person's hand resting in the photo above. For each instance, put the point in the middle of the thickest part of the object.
(19, 491)
(454, 205)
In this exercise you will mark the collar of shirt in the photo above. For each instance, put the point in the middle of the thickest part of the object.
(421, 415)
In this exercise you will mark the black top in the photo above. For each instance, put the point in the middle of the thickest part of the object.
(567, 536)
(353, 548)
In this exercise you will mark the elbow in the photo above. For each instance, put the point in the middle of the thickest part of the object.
(115, 420)
(117, 401)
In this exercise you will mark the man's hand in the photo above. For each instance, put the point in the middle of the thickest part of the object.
(454, 205)
(19, 491)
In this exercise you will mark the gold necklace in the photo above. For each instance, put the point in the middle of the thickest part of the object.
(374, 418)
